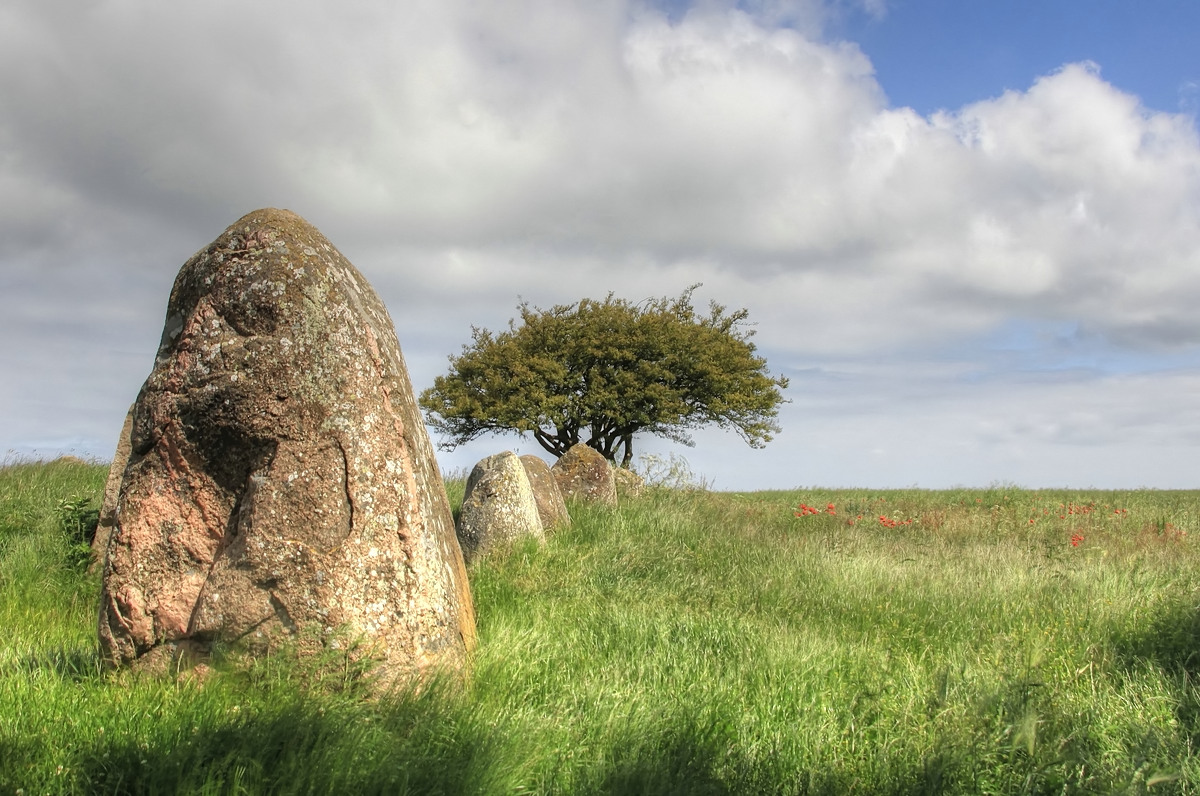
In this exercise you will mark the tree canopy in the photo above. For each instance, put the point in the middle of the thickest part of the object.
(612, 368)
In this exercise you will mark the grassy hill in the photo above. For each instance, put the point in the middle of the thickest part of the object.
(967, 641)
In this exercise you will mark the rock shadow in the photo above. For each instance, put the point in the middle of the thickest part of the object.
(71, 663)
(317, 746)
(1171, 642)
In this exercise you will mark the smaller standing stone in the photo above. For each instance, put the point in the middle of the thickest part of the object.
(583, 474)
(629, 483)
(550, 505)
(69, 459)
(112, 491)
(498, 506)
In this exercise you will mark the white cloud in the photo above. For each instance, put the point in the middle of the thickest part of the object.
(913, 425)
(464, 156)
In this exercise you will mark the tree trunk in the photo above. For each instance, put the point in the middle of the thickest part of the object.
(556, 446)
(627, 441)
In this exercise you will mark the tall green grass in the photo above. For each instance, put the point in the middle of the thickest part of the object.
(46, 600)
(688, 642)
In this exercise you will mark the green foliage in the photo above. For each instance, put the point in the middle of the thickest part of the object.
(45, 505)
(78, 518)
(688, 642)
(612, 368)
(46, 598)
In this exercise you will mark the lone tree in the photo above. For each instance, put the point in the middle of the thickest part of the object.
(613, 368)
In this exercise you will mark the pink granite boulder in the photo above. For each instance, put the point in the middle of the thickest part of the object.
(280, 478)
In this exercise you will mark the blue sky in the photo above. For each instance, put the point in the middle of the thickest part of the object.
(968, 232)
(931, 54)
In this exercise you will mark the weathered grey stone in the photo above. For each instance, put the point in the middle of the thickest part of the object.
(280, 477)
(498, 506)
(629, 483)
(112, 491)
(583, 474)
(550, 505)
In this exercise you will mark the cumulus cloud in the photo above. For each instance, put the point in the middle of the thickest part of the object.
(465, 156)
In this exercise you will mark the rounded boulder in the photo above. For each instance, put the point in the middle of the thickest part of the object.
(498, 506)
(583, 474)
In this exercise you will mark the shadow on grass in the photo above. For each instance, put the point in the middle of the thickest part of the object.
(698, 758)
(1171, 642)
(414, 746)
(431, 746)
(73, 664)
(687, 760)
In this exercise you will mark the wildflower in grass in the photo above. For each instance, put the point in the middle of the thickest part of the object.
(830, 510)
(1076, 539)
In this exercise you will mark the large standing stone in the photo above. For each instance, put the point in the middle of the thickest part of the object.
(112, 491)
(583, 474)
(552, 509)
(498, 506)
(280, 477)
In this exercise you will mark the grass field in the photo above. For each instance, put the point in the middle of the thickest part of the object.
(892, 642)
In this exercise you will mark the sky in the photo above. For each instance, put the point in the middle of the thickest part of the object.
(968, 233)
